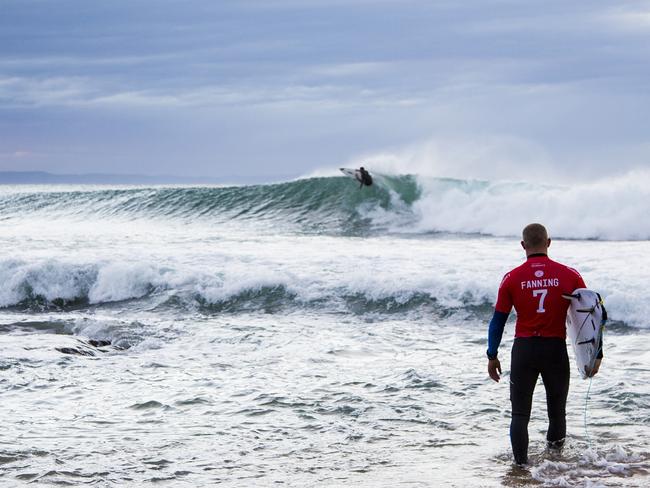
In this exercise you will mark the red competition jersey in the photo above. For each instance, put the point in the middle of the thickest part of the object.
(535, 290)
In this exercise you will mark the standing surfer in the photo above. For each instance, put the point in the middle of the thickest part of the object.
(535, 290)
(364, 178)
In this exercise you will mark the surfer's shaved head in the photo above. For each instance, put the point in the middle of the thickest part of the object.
(535, 238)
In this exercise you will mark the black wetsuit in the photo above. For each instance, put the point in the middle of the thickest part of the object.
(532, 356)
(366, 179)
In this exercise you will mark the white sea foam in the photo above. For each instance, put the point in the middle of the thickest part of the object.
(452, 273)
(590, 469)
(123, 281)
(49, 279)
(615, 208)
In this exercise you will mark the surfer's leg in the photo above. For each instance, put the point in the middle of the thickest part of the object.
(523, 377)
(555, 374)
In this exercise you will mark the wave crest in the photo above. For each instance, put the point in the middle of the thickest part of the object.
(62, 286)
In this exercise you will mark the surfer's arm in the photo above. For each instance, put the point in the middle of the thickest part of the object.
(599, 356)
(501, 312)
(495, 332)
(595, 369)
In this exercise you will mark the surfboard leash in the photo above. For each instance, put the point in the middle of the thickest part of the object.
(585, 414)
(600, 348)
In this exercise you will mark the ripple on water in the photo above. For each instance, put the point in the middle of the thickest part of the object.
(5, 365)
(193, 401)
(255, 412)
(412, 380)
(282, 402)
(7, 457)
(151, 404)
(37, 326)
(157, 463)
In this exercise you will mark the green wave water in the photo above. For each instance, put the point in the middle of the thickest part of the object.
(315, 204)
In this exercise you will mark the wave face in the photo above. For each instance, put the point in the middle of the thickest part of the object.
(606, 210)
(332, 204)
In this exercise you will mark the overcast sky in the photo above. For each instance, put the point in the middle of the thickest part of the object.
(468, 88)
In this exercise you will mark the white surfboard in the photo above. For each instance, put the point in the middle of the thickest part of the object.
(586, 319)
(352, 173)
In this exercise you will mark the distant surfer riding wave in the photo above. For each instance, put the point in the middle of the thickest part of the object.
(361, 175)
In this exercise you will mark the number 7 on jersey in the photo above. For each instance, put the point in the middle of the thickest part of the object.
(542, 295)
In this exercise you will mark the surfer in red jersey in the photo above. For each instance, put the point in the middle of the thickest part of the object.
(535, 290)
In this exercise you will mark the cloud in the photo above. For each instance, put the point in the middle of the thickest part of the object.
(483, 87)
(63, 62)
(345, 70)
(629, 18)
(17, 154)
(80, 92)
(26, 92)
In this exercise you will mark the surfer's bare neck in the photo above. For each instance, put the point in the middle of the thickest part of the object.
(537, 250)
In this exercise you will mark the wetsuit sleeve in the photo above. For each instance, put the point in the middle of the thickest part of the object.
(495, 332)
(501, 312)
(600, 348)
(504, 299)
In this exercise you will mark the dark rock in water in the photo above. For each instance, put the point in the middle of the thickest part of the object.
(86, 348)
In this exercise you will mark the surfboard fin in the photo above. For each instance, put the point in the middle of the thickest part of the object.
(570, 296)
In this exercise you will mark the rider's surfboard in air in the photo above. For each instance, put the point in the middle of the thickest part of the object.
(362, 177)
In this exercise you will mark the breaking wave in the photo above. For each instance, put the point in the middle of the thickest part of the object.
(55, 285)
(615, 209)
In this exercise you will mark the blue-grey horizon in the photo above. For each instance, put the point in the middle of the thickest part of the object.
(200, 88)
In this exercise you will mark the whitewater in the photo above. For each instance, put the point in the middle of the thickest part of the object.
(305, 333)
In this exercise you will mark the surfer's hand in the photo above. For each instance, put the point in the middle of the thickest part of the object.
(596, 368)
(494, 369)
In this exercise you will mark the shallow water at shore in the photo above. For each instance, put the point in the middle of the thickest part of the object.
(305, 400)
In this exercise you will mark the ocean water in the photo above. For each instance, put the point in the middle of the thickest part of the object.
(305, 334)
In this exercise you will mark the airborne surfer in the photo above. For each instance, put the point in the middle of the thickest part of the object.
(364, 178)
